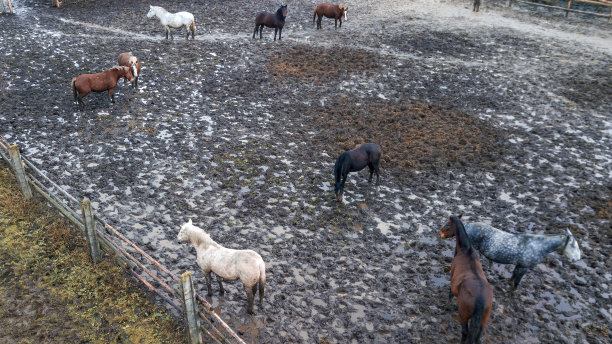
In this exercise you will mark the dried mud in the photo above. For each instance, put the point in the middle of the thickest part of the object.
(503, 116)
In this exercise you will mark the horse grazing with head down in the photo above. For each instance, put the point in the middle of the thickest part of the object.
(329, 11)
(226, 263)
(275, 20)
(173, 20)
(100, 82)
(468, 283)
(368, 154)
(130, 61)
(524, 250)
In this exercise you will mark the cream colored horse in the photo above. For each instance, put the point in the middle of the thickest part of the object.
(226, 263)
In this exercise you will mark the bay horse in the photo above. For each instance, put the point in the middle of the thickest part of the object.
(275, 20)
(468, 283)
(131, 61)
(173, 20)
(100, 82)
(329, 11)
(523, 250)
(228, 264)
(368, 154)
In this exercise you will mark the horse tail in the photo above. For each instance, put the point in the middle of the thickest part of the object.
(193, 27)
(314, 15)
(74, 90)
(475, 323)
(262, 281)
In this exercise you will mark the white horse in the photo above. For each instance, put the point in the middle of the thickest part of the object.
(174, 20)
(226, 263)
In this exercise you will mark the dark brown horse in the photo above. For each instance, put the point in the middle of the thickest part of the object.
(100, 82)
(275, 20)
(368, 154)
(329, 11)
(468, 283)
(131, 61)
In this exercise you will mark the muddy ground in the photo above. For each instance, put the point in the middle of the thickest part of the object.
(503, 116)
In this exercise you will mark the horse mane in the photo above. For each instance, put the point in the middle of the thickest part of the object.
(200, 237)
(462, 238)
(338, 166)
(161, 8)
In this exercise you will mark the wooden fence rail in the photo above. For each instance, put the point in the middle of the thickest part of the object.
(569, 4)
(100, 234)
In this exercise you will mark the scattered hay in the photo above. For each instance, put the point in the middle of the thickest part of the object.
(304, 62)
(414, 136)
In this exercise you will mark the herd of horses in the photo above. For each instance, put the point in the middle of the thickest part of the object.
(468, 282)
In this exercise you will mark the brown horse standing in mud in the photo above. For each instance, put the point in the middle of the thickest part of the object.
(468, 283)
(100, 82)
(275, 20)
(131, 61)
(329, 11)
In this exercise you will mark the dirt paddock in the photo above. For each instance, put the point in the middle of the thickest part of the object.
(502, 115)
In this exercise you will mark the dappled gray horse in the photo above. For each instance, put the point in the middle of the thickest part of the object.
(524, 250)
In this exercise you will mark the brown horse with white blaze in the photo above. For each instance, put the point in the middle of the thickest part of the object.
(131, 61)
(100, 82)
(330, 11)
(468, 283)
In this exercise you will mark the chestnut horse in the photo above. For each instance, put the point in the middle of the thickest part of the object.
(330, 11)
(368, 154)
(468, 283)
(131, 61)
(100, 82)
(275, 20)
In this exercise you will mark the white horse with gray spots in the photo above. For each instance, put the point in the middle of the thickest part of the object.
(523, 250)
(173, 20)
(226, 263)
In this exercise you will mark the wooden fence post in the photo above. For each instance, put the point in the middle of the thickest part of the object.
(20, 172)
(190, 308)
(90, 230)
(569, 3)
(10, 6)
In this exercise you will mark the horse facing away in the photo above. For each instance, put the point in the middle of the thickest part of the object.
(275, 20)
(329, 11)
(130, 61)
(524, 250)
(100, 82)
(368, 154)
(173, 20)
(226, 263)
(468, 283)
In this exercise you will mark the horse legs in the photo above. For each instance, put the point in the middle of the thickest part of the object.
(250, 296)
(335, 23)
(319, 21)
(275, 32)
(280, 32)
(208, 282)
(340, 20)
(219, 280)
(255, 31)
(464, 332)
(167, 30)
(517, 274)
(260, 31)
(111, 96)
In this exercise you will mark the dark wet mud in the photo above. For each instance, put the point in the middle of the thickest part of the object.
(503, 116)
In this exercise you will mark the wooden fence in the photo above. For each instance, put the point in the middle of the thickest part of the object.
(604, 3)
(200, 318)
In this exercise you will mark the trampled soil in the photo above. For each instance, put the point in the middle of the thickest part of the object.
(503, 116)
